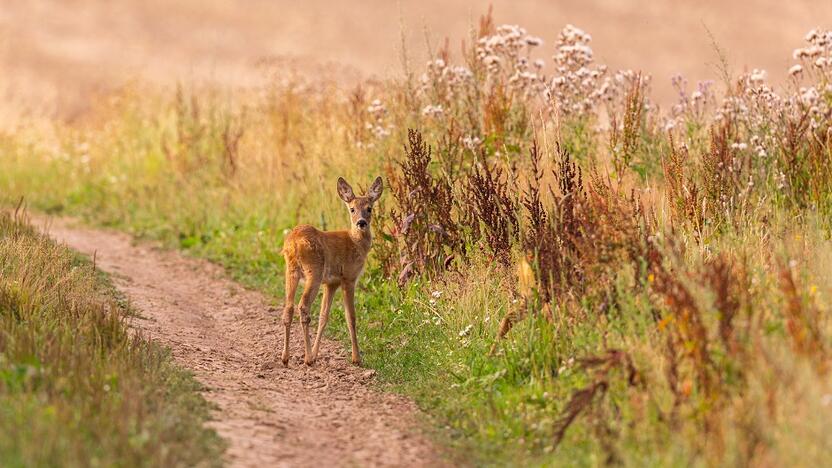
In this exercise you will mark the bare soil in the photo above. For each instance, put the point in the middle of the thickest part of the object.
(326, 415)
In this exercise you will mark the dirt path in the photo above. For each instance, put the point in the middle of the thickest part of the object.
(327, 415)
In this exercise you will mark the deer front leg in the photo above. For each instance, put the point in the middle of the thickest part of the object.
(326, 304)
(310, 290)
(288, 312)
(349, 307)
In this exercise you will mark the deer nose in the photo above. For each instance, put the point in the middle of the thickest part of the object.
(361, 223)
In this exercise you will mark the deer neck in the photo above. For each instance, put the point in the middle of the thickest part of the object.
(362, 239)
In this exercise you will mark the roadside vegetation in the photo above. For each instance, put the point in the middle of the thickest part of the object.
(77, 388)
(563, 272)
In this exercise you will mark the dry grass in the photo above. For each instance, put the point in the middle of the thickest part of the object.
(654, 307)
(76, 387)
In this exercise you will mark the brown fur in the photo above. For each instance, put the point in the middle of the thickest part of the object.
(332, 258)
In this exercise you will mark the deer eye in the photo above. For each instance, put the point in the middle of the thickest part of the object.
(370, 209)
(352, 210)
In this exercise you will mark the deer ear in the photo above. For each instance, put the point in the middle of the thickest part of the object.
(345, 191)
(375, 190)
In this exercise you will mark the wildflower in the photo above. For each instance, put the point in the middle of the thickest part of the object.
(376, 107)
(809, 95)
(492, 60)
(471, 142)
(380, 131)
(436, 294)
(795, 70)
(576, 34)
(807, 52)
(533, 41)
(757, 76)
(466, 331)
(431, 110)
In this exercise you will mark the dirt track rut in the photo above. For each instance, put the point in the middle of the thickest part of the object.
(326, 415)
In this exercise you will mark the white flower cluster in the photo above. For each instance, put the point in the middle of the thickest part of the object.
(764, 117)
(758, 145)
(376, 108)
(816, 62)
(796, 70)
(377, 124)
(432, 110)
(506, 58)
(614, 89)
(579, 83)
(754, 108)
(504, 62)
(693, 106)
(755, 102)
(471, 142)
(443, 82)
(818, 52)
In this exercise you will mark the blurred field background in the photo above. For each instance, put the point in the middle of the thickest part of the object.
(55, 55)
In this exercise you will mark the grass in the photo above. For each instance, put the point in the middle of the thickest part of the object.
(77, 388)
(660, 284)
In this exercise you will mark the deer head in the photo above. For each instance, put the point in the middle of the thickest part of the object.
(360, 208)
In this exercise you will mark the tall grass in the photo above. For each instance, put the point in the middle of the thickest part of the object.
(561, 271)
(76, 387)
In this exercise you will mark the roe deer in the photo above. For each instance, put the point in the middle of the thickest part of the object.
(334, 258)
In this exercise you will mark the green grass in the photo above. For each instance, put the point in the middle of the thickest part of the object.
(77, 388)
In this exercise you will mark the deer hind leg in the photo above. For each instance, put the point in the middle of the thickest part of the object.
(310, 290)
(349, 312)
(292, 279)
(326, 305)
